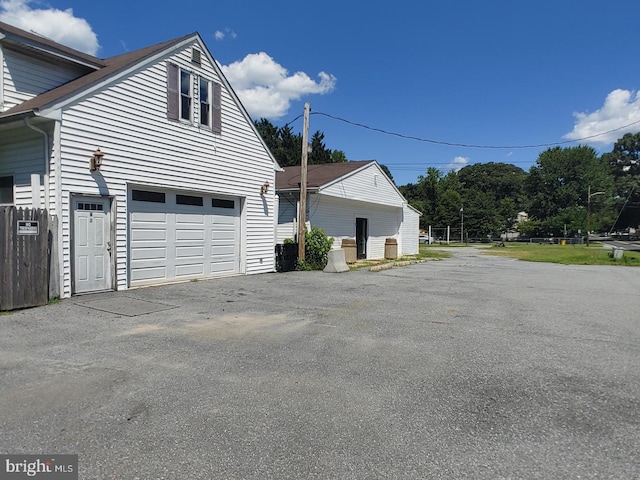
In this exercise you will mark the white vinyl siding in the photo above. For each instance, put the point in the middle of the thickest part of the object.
(128, 121)
(22, 155)
(337, 217)
(409, 238)
(368, 184)
(287, 218)
(25, 77)
(366, 193)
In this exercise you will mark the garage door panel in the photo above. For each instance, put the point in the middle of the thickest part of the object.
(222, 249)
(222, 236)
(157, 273)
(170, 241)
(189, 270)
(189, 235)
(148, 217)
(190, 252)
(222, 266)
(187, 219)
(146, 234)
(149, 253)
(224, 222)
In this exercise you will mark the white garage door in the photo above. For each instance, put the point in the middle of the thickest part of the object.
(175, 236)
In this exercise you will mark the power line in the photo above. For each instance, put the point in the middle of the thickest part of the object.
(463, 145)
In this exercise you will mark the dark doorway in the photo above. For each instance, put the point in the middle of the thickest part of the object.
(362, 234)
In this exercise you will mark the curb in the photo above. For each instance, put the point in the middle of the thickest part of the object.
(388, 266)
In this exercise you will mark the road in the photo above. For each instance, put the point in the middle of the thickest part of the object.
(474, 367)
(629, 246)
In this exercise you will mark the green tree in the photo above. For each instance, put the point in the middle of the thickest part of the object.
(289, 151)
(319, 153)
(338, 156)
(286, 146)
(624, 162)
(493, 196)
(557, 187)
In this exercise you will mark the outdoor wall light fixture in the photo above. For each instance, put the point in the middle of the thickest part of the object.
(264, 188)
(95, 162)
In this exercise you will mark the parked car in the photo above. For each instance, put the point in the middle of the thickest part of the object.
(426, 239)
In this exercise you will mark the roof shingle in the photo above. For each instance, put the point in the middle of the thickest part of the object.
(110, 66)
(317, 175)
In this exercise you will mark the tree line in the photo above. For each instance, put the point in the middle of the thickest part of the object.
(554, 193)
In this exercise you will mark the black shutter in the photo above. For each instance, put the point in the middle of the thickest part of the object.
(217, 108)
(173, 94)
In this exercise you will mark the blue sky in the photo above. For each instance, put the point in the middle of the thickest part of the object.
(490, 73)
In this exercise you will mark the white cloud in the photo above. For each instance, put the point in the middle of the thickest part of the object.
(265, 87)
(458, 163)
(621, 108)
(220, 35)
(58, 25)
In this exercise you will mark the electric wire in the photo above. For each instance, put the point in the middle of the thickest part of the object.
(468, 145)
(462, 145)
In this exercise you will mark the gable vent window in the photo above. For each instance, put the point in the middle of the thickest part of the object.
(196, 56)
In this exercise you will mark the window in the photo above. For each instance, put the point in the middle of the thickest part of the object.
(146, 196)
(205, 103)
(189, 200)
(221, 203)
(6, 190)
(90, 206)
(185, 95)
(180, 93)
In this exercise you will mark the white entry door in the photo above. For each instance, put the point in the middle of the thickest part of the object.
(91, 244)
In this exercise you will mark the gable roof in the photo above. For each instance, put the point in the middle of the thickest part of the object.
(106, 70)
(24, 40)
(317, 175)
(110, 66)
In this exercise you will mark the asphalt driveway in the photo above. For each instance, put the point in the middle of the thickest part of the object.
(472, 367)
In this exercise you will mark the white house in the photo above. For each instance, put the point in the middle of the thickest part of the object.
(353, 200)
(185, 186)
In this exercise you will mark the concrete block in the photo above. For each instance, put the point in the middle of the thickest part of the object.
(336, 262)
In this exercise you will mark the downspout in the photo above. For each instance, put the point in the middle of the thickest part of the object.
(57, 155)
(47, 162)
(1, 77)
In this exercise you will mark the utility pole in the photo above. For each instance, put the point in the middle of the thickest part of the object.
(589, 195)
(302, 214)
(462, 225)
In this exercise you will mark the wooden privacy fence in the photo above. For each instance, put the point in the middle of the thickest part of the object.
(24, 257)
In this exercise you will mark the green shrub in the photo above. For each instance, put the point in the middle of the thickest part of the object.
(317, 246)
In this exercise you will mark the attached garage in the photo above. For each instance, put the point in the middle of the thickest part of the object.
(177, 236)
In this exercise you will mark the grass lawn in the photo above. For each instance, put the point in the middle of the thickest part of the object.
(595, 254)
(426, 253)
(433, 252)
